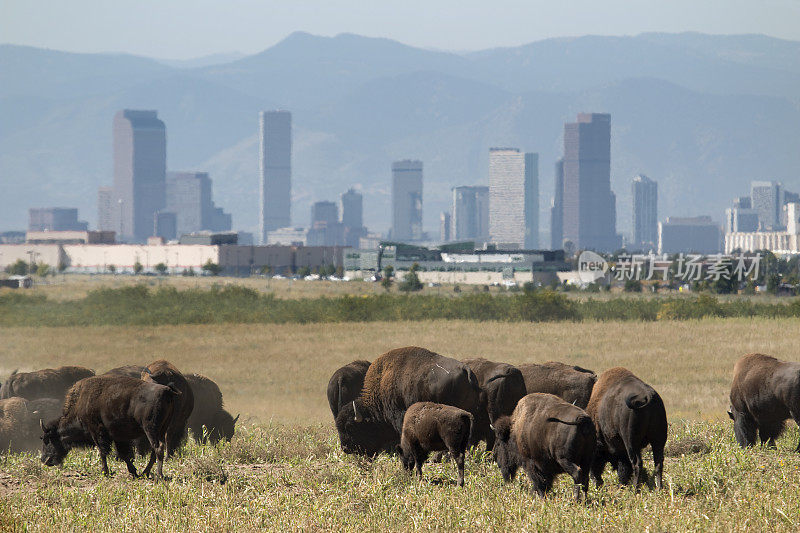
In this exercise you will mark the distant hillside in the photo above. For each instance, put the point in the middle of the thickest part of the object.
(703, 115)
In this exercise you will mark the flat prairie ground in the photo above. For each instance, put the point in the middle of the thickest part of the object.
(285, 471)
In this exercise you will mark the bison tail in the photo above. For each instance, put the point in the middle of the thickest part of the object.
(637, 400)
(577, 422)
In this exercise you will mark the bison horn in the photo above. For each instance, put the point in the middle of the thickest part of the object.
(355, 412)
(235, 419)
(41, 424)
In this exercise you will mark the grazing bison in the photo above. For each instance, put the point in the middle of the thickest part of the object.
(47, 383)
(397, 379)
(429, 427)
(165, 373)
(503, 385)
(16, 434)
(546, 436)
(345, 385)
(765, 392)
(105, 410)
(570, 383)
(208, 411)
(628, 415)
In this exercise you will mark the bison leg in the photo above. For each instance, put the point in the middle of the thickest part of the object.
(125, 453)
(658, 462)
(540, 482)
(624, 470)
(150, 463)
(635, 458)
(597, 468)
(103, 441)
(459, 459)
(579, 475)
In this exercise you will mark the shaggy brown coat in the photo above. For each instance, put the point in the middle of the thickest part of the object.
(396, 380)
(15, 433)
(45, 383)
(429, 427)
(345, 385)
(628, 415)
(503, 385)
(209, 411)
(764, 393)
(165, 373)
(546, 436)
(571, 383)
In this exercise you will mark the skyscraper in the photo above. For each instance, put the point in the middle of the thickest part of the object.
(470, 213)
(589, 206)
(353, 217)
(275, 167)
(513, 187)
(444, 226)
(140, 167)
(55, 219)
(557, 209)
(189, 197)
(324, 211)
(105, 210)
(407, 200)
(766, 197)
(644, 192)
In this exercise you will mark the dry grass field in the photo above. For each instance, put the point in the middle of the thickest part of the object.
(284, 469)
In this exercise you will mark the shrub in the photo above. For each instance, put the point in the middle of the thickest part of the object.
(161, 268)
(212, 268)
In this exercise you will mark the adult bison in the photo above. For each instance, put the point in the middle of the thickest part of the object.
(503, 385)
(765, 392)
(628, 415)
(397, 379)
(209, 412)
(165, 373)
(46, 383)
(571, 383)
(105, 410)
(345, 385)
(546, 436)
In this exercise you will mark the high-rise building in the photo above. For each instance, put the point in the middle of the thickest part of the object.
(557, 208)
(353, 217)
(767, 198)
(589, 207)
(470, 213)
(740, 220)
(688, 234)
(55, 219)
(140, 167)
(743, 202)
(105, 209)
(189, 197)
(324, 211)
(275, 167)
(644, 193)
(407, 200)
(513, 203)
(444, 226)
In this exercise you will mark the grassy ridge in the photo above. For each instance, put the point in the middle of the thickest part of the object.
(290, 478)
(140, 305)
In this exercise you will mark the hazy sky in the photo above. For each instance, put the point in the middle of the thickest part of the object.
(181, 29)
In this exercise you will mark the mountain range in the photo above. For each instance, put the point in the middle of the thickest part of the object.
(702, 115)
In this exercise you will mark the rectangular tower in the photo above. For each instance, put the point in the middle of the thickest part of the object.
(275, 168)
(140, 168)
(407, 200)
(589, 206)
(557, 209)
(644, 192)
(513, 181)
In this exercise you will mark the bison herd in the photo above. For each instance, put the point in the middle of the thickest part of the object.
(148, 409)
(546, 419)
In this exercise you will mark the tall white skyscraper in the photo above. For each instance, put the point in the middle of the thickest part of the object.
(644, 192)
(513, 198)
(275, 169)
(407, 200)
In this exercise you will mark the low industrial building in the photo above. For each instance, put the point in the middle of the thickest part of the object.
(778, 242)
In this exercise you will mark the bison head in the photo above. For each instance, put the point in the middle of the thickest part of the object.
(53, 449)
(223, 426)
(505, 449)
(361, 433)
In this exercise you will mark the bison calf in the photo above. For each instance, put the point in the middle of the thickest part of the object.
(546, 436)
(628, 415)
(345, 385)
(765, 392)
(429, 427)
(106, 410)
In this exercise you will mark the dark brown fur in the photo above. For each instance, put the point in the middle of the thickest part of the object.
(106, 410)
(546, 436)
(429, 427)
(132, 371)
(345, 385)
(764, 393)
(396, 380)
(16, 435)
(165, 373)
(628, 415)
(45, 383)
(503, 385)
(208, 411)
(571, 383)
